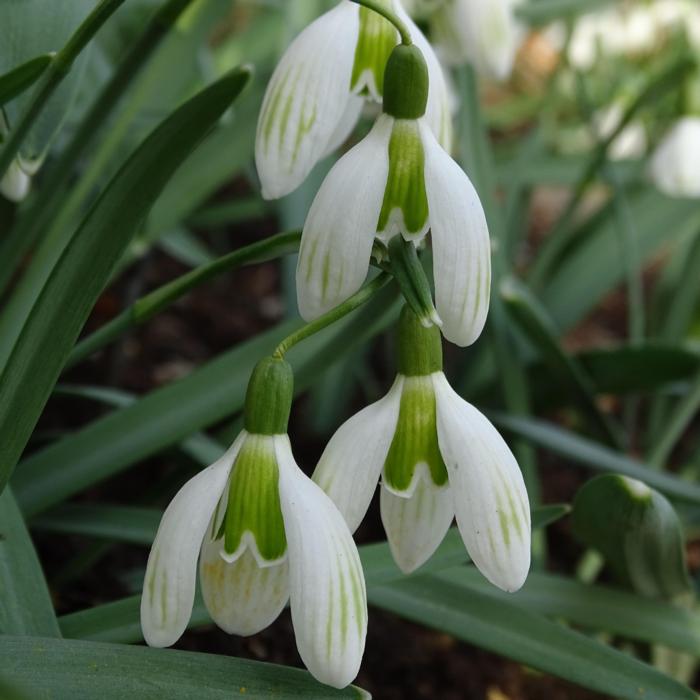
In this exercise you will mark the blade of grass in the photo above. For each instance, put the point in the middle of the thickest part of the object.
(70, 669)
(77, 280)
(25, 603)
(596, 456)
(59, 67)
(22, 78)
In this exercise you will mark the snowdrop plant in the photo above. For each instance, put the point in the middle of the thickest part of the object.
(399, 182)
(674, 167)
(264, 533)
(438, 457)
(485, 34)
(317, 91)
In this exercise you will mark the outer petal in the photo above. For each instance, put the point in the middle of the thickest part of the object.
(328, 596)
(306, 100)
(349, 468)
(169, 585)
(675, 165)
(242, 598)
(15, 183)
(438, 114)
(339, 230)
(490, 499)
(346, 125)
(415, 526)
(461, 246)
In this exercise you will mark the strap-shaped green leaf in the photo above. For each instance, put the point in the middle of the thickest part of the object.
(16, 81)
(497, 625)
(77, 670)
(85, 265)
(25, 604)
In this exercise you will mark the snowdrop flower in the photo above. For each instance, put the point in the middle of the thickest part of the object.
(264, 533)
(438, 457)
(317, 91)
(675, 165)
(631, 142)
(15, 183)
(398, 181)
(485, 34)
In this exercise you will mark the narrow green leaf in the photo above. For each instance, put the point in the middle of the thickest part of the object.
(637, 531)
(492, 623)
(119, 621)
(78, 670)
(21, 78)
(169, 415)
(535, 323)
(596, 456)
(25, 604)
(536, 12)
(596, 608)
(45, 341)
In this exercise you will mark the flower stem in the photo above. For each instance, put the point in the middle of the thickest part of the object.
(58, 69)
(378, 7)
(355, 301)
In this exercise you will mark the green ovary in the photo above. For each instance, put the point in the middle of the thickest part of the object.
(405, 184)
(415, 440)
(375, 42)
(253, 501)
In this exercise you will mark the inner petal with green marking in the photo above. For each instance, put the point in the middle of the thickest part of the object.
(253, 517)
(414, 451)
(405, 206)
(375, 42)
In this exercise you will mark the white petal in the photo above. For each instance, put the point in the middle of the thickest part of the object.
(675, 165)
(349, 468)
(483, 33)
(438, 114)
(169, 584)
(415, 526)
(339, 231)
(346, 125)
(488, 491)
(327, 587)
(15, 183)
(242, 598)
(461, 246)
(306, 100)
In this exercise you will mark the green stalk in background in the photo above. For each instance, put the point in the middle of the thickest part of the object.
(60, 66)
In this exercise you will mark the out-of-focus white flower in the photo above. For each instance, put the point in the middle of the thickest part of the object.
(15, 183)
(264, 533)
(485, 34)
(316, 93)
(675, 165)
(437, 457)
(398, 181)
(631, 142)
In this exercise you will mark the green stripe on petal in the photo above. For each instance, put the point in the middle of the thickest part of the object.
(405, 184)
(415, 440)
(253, 510)
(376, 40)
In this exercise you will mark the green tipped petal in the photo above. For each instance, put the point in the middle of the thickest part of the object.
(253, 515)
(405, 206)
(415, 442)
(376, 40)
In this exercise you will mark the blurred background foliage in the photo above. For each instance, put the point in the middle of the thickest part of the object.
(590, 363)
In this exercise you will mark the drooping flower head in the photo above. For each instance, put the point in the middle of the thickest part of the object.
(398, 181)
(316, 93)
(485, 34)
(264, 534)
(438, 457)
(675, 165)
